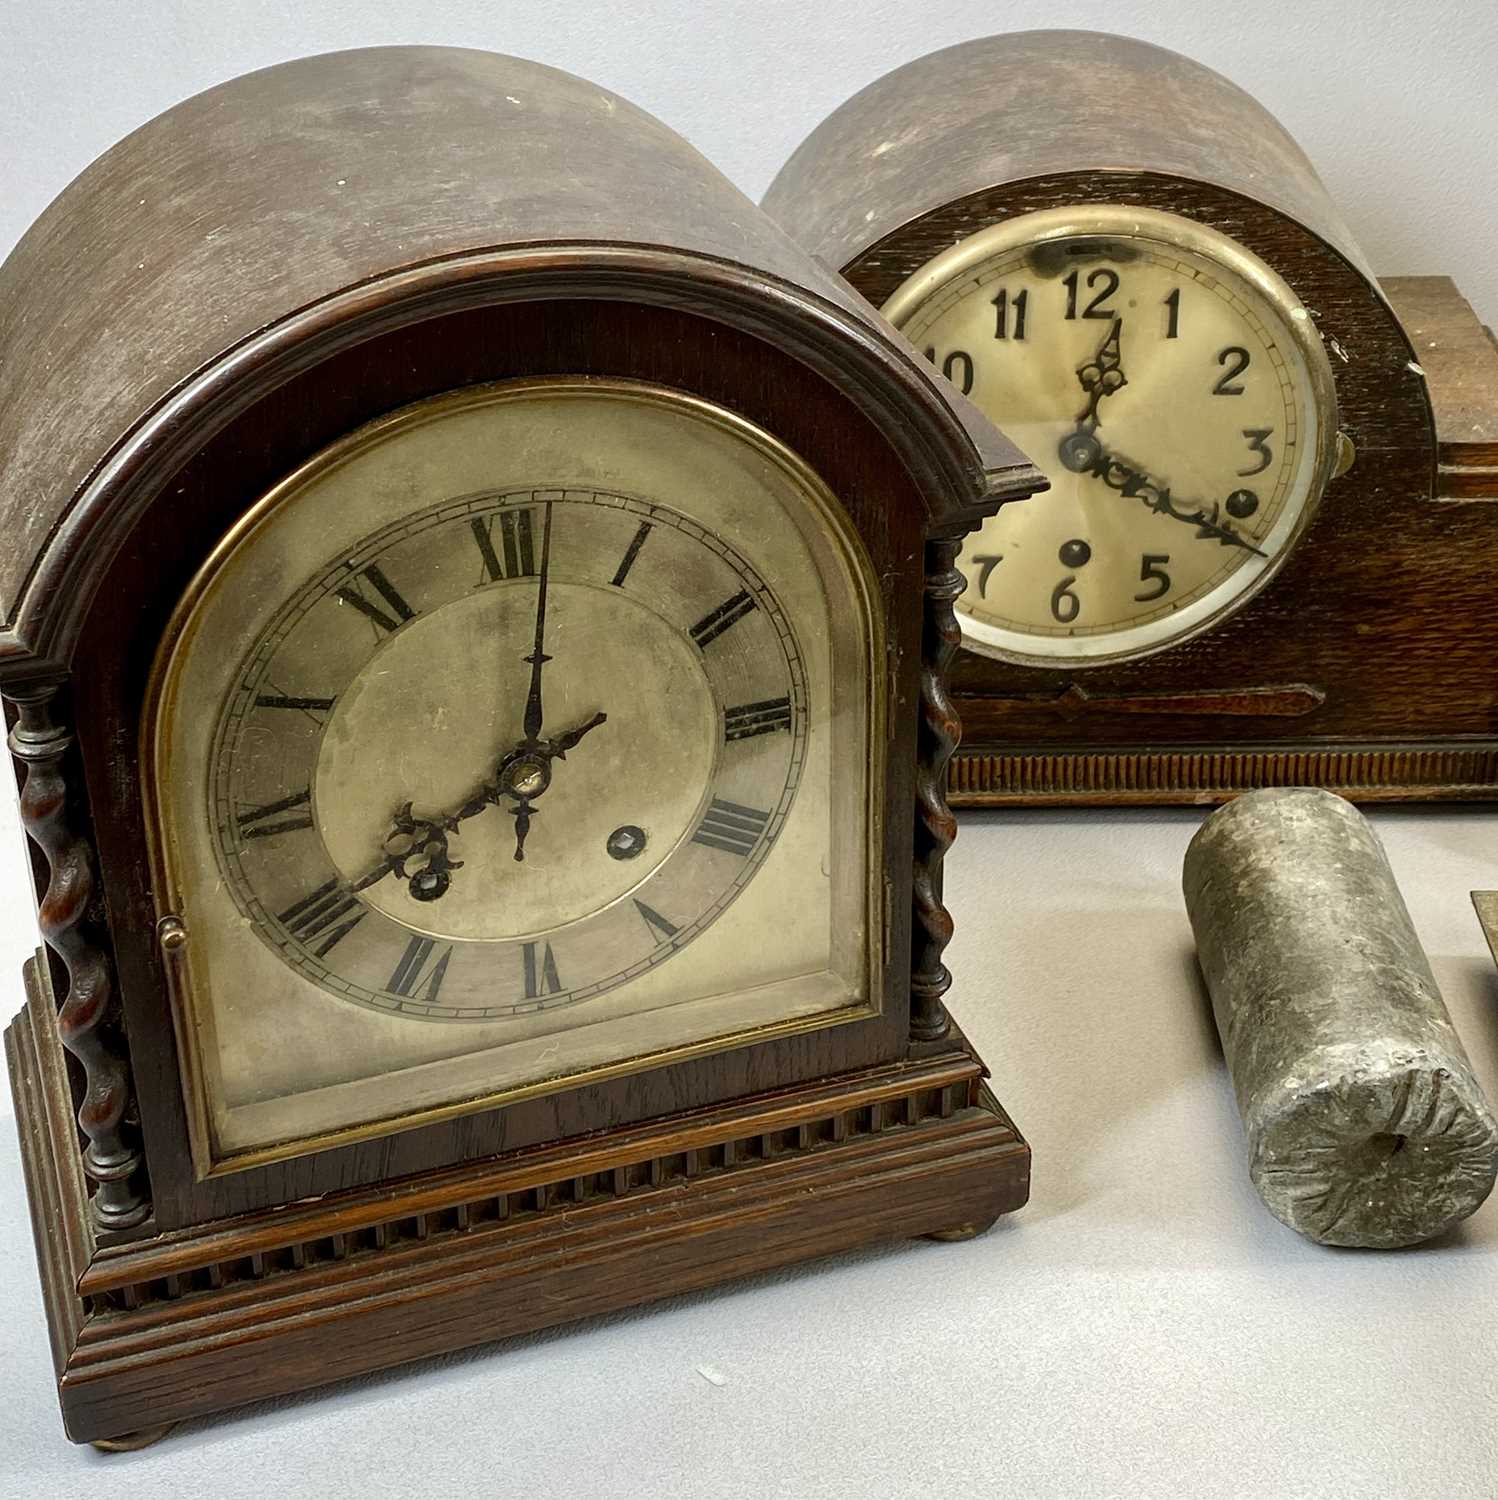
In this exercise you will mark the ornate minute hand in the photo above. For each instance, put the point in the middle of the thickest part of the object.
(1082, 453)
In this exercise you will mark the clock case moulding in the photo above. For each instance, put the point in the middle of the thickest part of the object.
(1362, 666)
(246, 278)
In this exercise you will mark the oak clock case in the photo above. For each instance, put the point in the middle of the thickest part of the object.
(478, 699)
(1245, 570)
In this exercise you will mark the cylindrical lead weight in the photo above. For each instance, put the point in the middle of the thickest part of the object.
(1365, 1123)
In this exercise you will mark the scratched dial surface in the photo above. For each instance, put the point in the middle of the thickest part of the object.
(527, 732)
(1176, 396)
(392, 829)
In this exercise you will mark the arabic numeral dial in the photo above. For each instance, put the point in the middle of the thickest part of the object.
(1178, 398)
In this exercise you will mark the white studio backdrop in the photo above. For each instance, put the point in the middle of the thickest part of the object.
(1143, 1327)
(1392, 99)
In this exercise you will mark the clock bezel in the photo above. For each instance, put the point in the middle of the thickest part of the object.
(1317, 464)
(188, 997)
(281, 420)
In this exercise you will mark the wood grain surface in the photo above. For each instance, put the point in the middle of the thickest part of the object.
(310, 201)
(1367, 665)
(239, 284)
(179, 1324)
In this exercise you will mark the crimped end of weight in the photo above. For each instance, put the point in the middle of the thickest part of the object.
(1385, 1151)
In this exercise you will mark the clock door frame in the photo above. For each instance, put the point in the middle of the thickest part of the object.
(477, 341)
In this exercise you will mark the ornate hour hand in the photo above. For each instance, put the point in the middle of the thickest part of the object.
(1101, 375)
(422, 843)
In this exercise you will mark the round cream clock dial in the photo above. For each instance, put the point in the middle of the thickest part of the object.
(1175, 393)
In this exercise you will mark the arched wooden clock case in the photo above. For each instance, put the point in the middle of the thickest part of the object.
(237, 286)
(1362, 664)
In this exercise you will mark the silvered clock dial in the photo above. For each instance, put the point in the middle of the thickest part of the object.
(526, 717)
(522, 781)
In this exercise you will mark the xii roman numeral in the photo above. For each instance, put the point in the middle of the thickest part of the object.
(412, 972)
(724, 617)
(749, 719)
(516, 556)
(731, 827)
(265, 822)
(540, 972)
(352, 593)
(318, 913)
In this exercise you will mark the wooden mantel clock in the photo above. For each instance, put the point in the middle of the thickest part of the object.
(1265, 558)
(477, 599)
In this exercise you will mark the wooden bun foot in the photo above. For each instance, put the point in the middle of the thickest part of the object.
(959, 1233)
(128, 1442)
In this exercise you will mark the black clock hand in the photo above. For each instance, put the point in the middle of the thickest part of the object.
(565, 742)
(1101, 375)
(538, 657)
(522, 815)
(1082, 453)
(412, 838)
(525, 773)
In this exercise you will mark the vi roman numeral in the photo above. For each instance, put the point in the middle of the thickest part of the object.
(749, 719)
(416, 974)
(323, 914)
(731, 827)
(306, 705)
(540, 971)
(724, 617)
(515, 557)
(353, 593)
(265, 822)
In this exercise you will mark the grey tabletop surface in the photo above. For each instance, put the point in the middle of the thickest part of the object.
(1142, 1328)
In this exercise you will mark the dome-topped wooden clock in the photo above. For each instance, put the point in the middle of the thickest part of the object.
(477, 599)
(1250, 568)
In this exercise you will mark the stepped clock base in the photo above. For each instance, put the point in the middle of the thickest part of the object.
(153, 1329)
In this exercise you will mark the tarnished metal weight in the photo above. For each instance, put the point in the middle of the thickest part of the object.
(1365, 1123)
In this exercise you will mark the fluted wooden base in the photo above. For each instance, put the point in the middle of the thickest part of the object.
(164, 1327)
